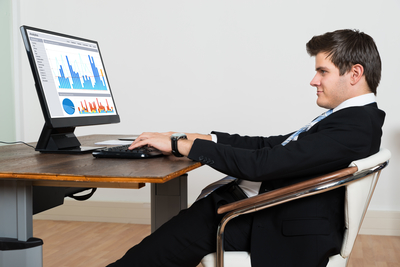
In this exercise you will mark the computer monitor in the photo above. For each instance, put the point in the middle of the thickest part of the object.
(72, 86)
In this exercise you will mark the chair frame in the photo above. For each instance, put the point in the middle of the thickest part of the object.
(303, 189)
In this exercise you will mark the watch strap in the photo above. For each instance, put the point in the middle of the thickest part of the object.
(174, 144)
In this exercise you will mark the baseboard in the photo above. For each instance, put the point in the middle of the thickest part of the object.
(375, 222)
(94, 211)
(381, 223)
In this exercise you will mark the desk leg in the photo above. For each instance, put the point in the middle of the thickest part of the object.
(167, 200)
(17, 247)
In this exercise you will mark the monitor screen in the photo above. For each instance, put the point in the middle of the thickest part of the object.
(71, 76)
(71, 80)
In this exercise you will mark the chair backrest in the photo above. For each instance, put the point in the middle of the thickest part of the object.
(358, 196)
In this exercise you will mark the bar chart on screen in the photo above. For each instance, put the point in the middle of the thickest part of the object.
(76, 69)
(79, 73)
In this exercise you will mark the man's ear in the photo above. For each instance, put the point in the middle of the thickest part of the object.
(356, 71)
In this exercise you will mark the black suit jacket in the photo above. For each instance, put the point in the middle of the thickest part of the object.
(306, 231)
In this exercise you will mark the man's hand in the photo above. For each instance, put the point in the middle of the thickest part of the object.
(162, 142)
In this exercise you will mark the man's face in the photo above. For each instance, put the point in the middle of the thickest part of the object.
(332, 89)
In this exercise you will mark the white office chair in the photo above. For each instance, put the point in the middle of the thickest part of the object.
(359, 178)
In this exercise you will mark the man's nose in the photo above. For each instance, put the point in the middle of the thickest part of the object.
(315, 81)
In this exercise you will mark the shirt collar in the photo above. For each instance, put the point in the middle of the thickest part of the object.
(357, 101)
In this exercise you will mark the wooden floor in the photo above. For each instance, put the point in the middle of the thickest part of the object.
(79, 244)
(376, 251)
(88, 244)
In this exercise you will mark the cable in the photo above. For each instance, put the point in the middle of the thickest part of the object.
(16, 142)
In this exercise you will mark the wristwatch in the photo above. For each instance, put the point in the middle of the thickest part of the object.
(174, 143)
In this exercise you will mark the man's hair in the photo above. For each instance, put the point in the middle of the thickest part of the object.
(347, 48)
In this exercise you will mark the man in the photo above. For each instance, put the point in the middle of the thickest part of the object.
(304, 232)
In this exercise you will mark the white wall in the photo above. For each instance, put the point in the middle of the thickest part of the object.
(7, 122)
(213, 65)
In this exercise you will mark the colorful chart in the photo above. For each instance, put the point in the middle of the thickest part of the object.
(94, 107)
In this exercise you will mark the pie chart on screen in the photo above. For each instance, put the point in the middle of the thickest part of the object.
(68, 106)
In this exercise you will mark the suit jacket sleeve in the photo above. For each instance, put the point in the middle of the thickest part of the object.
(331, 144)
(248, 142)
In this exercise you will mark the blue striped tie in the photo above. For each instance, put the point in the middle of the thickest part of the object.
(307, 127)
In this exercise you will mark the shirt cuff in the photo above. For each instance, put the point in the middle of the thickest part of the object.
(214, 138)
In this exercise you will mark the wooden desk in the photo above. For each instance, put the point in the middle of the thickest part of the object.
(21, 168)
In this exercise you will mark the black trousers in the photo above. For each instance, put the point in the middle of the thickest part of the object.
(188, 237)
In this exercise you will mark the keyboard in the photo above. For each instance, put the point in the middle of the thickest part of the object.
(124, 152)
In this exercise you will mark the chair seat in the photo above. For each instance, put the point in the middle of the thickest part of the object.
(337, 261)
(232, 259)
(242, 259)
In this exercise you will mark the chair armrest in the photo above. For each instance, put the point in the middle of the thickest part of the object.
(287, 190)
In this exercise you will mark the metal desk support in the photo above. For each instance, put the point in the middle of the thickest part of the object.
(17, 229)
(167, 200)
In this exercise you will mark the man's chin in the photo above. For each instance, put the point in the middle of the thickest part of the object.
(322, 104)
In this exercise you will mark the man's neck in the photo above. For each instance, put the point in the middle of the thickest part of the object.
(357, 101)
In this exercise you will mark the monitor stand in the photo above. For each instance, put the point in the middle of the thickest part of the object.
(61, 140)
